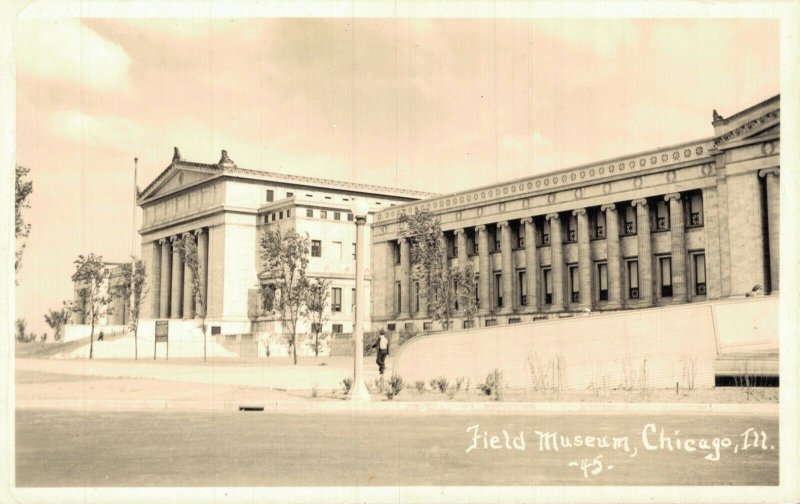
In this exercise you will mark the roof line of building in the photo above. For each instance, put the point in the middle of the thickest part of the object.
(726, 120)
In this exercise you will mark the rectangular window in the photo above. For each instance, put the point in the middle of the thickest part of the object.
(337, 251)
(288, 212)
(468, 324)
(575, 284)
(316, 248)
(309, 212)
(474, 247)
(323, 214)
(280, 215)
(398, 295)
(490, 322)
(629, 223)
(514, 320)
(270, 195)
(396, 252)
(602, 281)
(391, 327)
(633, 279)
(427, 326)
(408, 326)
(337, 215)
(496, 240)
(665, 267)
(545, 233)
(695, 209)
(215, 330)
(521, 240)
(498, 289)
(700, 274)
(572, 229)
(272, 217)
(477, 290)
(416, 297)
(336, 299)
(662, 216)
(289, 194)
(352, 299)
(600, 225)
(337, 329)
(355, 251)
(522, 288)
(349, 217)
(547, 286)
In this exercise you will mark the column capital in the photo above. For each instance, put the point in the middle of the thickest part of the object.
(770, 171)
(526, 220)
(199, 232)
(639, 202)
(579, 211)
(608, 206)
(162, 241)
(175, 238)
(402, 240)
(187, 233)
(551, 216)
(672, 196)
(502, 224)
(481, 227)
(458, 231)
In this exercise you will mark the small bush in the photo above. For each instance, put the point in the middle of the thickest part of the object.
(346, 384)
(441, 384)
(396, 386)
(493, 385)
(314, 392)
(379, 385)
(420, 386)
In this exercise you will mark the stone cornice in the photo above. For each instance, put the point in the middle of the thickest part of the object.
(641, 163)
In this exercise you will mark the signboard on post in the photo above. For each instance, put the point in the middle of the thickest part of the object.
(162, 335)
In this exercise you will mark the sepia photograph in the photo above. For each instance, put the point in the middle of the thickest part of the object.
(400, 252)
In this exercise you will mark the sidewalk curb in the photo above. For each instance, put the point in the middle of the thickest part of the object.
(432, 408)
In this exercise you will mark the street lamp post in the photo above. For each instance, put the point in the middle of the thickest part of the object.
(358, 391)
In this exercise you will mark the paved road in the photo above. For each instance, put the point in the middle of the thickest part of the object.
(66, 448)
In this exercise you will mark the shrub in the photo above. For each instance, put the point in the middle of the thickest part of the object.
(441, 384)
(396, 386)
(346, 384)
(420, 386)
(493, 385)
(314, 392)
(407, 334)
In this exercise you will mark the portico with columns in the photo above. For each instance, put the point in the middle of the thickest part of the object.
(634, 232)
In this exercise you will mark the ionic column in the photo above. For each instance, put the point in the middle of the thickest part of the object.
(678, 242)
(154, 283)
(461, 243)
(391, 303)
(772, 176)
(531, 263)
(485, 269)
(584, 258)
(166, 278)
(188, 299)
(405, 279)
(177, 280)
(645, 251)
(507, 268)
(202, 259)
(613, 259)
(556, 261)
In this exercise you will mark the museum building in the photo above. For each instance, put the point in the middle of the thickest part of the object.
(681, 224)
(225, 208)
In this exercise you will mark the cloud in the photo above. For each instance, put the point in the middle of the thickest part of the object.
(103, 131)
(65, 49)
(604, 38)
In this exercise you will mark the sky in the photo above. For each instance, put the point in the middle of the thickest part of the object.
(430, 104)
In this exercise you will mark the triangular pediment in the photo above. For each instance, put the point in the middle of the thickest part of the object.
(760, 120)
(175, 177)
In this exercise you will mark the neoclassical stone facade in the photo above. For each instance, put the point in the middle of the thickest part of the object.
(687, 223)
(223, 208)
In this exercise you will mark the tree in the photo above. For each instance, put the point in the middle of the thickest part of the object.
(57, 319)
(465, 280)
(90, 276)
(21, 326)
(188, 251)
(316, 301)
(440, 285)
(132, 289)
(284, 258)
(24, 188)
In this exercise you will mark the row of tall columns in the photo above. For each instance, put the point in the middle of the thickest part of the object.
(175, 297)
(614, 261)
(772, 176)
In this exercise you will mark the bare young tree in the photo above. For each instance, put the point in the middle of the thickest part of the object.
(90, 276)
(132, 289)
(284, 259)
(57, 319)
(440, 285)
(316, 302)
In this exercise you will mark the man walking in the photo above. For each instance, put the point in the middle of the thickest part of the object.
(382, 344)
